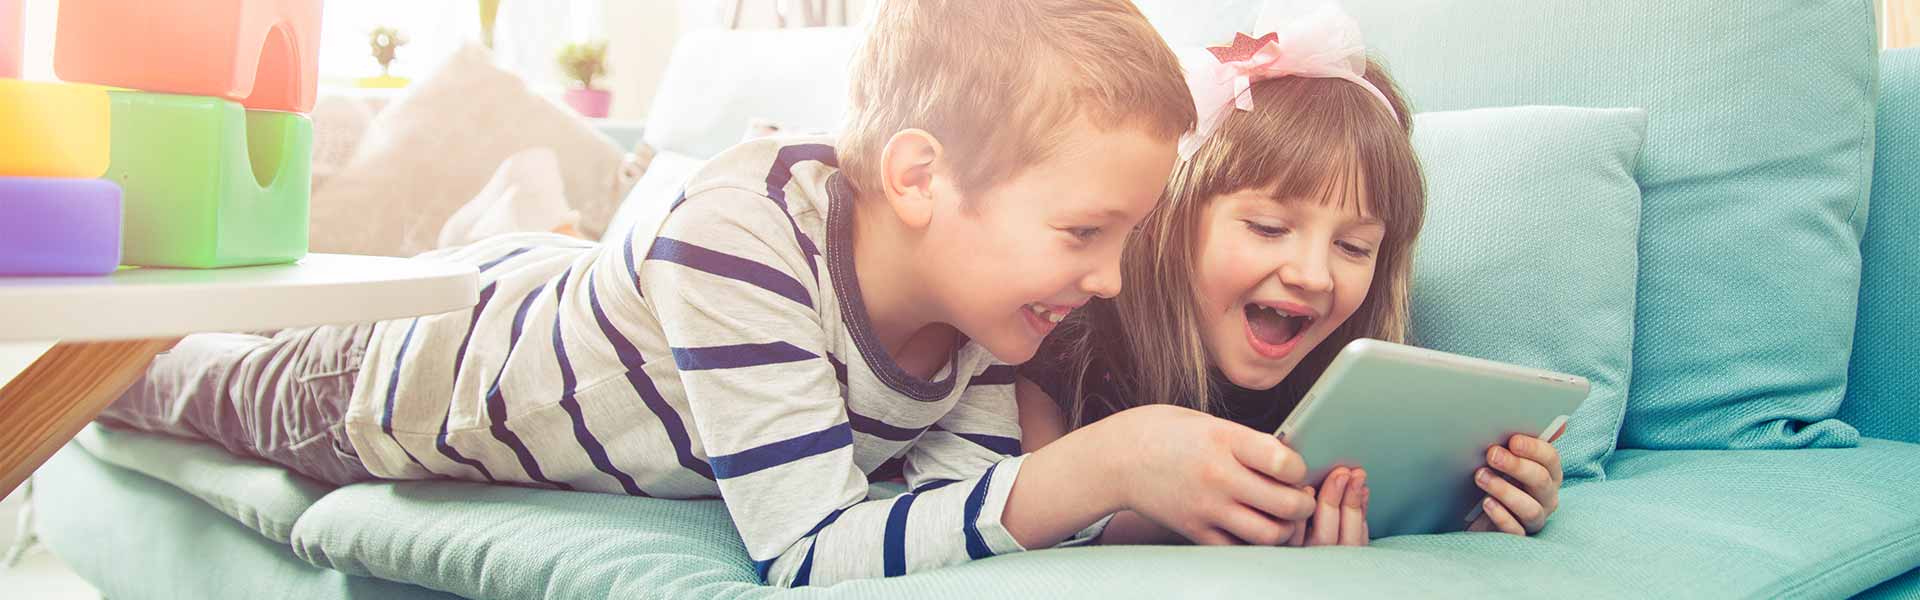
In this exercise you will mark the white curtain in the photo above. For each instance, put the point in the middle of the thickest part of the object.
(527, 34)
(769, 14)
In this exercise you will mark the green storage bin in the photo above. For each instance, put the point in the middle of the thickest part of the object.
(208, 183)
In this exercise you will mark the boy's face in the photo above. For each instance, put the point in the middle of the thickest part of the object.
(1017, 257)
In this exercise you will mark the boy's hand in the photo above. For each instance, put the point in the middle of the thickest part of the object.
(1523, 486)
(1208, 479)
(1340, 518)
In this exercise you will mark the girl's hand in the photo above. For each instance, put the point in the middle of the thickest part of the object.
(1523, 486)
(1340, 518)
(1211, 480)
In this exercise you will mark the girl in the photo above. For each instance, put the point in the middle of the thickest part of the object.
(1287, 233)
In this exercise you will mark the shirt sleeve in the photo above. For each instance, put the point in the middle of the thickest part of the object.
(734, 286)
(981, 433)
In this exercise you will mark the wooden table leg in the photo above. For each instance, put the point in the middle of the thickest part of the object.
(53, 399)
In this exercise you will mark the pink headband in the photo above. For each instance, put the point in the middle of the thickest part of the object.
(1324, 42)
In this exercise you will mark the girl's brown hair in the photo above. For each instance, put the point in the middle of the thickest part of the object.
(1302, 139)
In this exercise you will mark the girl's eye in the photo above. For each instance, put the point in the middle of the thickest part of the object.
(1265, 230)
(1355, 250)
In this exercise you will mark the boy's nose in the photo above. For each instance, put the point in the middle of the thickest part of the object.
(1103, 282)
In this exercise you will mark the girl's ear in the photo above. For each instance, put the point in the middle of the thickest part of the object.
(907, 175)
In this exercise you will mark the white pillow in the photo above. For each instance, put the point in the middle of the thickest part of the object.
(1185, 23)
(663, 182)
(434, 149)
(339, 121)
(718, 81)
(526, 194)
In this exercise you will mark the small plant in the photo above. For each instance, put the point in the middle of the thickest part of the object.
(583, 62)
(385, 42)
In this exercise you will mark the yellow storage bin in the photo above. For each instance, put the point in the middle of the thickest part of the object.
(53, 129)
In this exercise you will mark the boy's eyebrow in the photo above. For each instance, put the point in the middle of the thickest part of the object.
(1110, 214)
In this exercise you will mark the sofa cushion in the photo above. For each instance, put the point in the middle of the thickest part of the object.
(259, 495)
(1758, 155)
(133, 536)
(1802, 523)
(1904, 587)
(1883, 386)
(1530, 247)
(718, 81)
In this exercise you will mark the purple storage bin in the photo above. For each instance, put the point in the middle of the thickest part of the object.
(59, 226)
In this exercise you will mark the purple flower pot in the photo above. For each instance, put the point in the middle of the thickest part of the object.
(590, 103)
(59, 226)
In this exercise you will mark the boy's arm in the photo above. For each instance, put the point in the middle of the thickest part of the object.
(982, 433)
(734, 292)
(1040, 424)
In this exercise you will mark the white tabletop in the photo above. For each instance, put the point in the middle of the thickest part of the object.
(149, 303)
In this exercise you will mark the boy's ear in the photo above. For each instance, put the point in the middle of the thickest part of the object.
(907, 175)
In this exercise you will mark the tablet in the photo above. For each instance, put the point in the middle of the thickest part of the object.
(1420, 421)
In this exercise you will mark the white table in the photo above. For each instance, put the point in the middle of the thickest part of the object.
(111, 327)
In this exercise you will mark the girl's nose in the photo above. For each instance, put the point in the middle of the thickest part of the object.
(1307, 272)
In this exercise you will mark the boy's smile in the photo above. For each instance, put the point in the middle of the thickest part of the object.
(1027, 252)
(1005, 264)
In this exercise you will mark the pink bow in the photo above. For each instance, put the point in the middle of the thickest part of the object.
(1323, 43)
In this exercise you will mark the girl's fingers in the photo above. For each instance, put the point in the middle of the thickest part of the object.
(1517, 502)
(1539, 451)
(1500, 519)
(1353, 519)
(1366, 533)
(1531, 475)
(1254, 528)
(1326, 516)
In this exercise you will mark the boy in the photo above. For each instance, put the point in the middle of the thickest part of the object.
(807, 317)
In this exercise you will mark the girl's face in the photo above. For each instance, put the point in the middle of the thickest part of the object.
(1275, 276)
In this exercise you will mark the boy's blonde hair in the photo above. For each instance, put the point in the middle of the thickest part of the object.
(1303, 138)
(995, 81)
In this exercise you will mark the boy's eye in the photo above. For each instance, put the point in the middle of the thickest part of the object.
(1083, 233)
(1355, 250)
(1265, 230)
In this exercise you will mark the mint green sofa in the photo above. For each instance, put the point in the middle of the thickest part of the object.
(1769, 445)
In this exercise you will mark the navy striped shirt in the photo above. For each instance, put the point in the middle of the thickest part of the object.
(719, 348)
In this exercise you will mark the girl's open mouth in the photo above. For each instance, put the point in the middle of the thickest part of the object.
(1273, 332)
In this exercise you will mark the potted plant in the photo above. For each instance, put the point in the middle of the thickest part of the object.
(582, 63)
(385, 43)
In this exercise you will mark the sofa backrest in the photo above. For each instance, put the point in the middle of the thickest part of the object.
(1755, 174)
(1883, 386)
